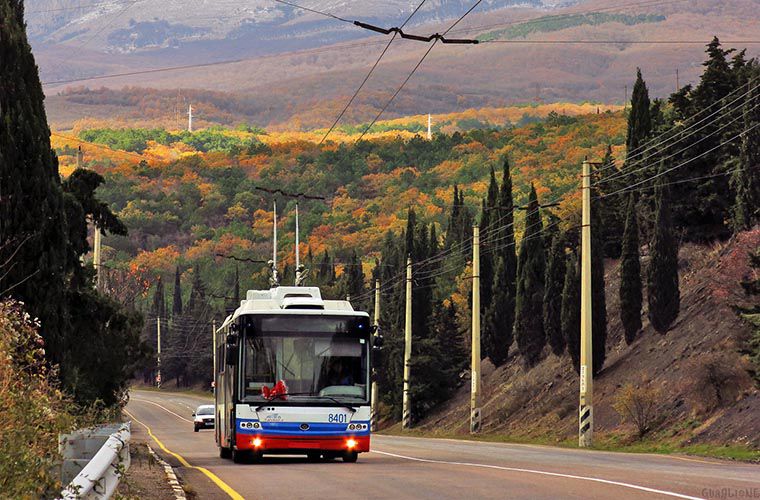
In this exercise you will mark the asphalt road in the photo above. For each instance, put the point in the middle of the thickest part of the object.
(404, 467)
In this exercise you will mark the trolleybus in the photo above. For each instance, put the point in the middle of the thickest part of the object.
(293, 377)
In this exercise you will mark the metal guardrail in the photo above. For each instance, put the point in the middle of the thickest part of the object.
(97, 458)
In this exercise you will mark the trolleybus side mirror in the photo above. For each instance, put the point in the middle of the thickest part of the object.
(232, 349)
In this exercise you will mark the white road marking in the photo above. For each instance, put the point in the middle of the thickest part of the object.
(545, 473)
(163, 408)
(176, 401)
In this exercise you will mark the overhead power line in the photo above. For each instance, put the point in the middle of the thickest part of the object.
(314, 11)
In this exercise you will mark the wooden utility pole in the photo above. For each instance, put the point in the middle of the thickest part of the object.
(475, 362)
(406, 419)
(158, 352)
(373, 401)
(585, 409)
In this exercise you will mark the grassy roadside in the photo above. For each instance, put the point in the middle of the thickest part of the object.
(604, 442)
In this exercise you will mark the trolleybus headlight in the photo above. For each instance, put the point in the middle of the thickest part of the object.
(256, 442)
(351, 427)
(351, 443)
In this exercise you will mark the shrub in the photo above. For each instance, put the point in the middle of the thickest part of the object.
(638, 405)
(717, 379)
(33, 409)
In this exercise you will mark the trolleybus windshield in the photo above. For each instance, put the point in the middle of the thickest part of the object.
(319, 359)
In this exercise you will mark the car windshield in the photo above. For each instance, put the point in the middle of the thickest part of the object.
(205, 410)
(306, 360)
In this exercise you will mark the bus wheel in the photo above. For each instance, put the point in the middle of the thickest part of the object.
(224, 452)
(314, 456)
(350, 456)
(241, 456)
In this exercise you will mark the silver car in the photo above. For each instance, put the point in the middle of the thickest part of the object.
(203, 417)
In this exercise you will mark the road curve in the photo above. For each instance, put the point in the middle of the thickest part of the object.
(404, 467)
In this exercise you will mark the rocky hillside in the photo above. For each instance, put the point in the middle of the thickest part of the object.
(704, 384)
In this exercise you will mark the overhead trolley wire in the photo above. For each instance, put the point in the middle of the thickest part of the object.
(414, 70)
(366, 78)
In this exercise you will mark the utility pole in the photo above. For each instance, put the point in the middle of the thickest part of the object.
(406, 419)
(373, 402)
(190, 118)
(96, 239)
(213, 341)
(158, 352)
(585, 409)
(96, 259)
(625, 102)
(678, 86)
(430, 127)
(475, 375)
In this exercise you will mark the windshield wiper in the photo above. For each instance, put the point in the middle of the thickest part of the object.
(334, 400)
(339, 403)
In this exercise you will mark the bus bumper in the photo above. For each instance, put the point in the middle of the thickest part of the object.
(292, 444)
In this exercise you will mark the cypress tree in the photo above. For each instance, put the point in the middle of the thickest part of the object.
(555, 282)
(453, 231)
(745, 179)
(531, 270)
(197, 293)
(663, 294)
(611, 206)
(498, 320)
(33, 226)
(630, 275)
(700, 209)
(639, 119)
(598, 293)
(571, 310)
(177, 299)
(507, 239)
(159, 302)
(353, 285)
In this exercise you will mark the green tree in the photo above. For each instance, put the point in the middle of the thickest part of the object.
(555, 282)
(611, 206)
(639, 119)
(571, 310)
(598, 293)
(498, 320)
(662, 274)
(177, 294)
(700, 209)
(531, 271)
(630, 275)
(33, 226)
(745, 179)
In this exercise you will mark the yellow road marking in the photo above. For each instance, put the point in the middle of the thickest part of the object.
(217, 481)
(691, 459)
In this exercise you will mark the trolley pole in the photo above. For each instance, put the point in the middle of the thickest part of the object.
(475, 375)
(158, 352)
(213, 350)
(373, 401)
(406, 421)
(586, 409)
